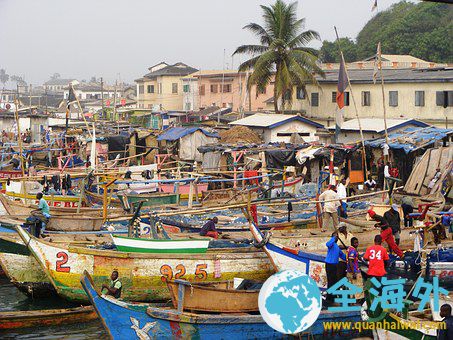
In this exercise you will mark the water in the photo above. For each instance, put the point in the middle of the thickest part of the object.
(13, 300)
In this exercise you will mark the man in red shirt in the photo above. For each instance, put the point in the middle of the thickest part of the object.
(376, 255)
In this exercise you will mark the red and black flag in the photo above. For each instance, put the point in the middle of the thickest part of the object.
(341, 87)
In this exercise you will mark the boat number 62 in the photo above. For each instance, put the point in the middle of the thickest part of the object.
(62, 259)
(180, 270)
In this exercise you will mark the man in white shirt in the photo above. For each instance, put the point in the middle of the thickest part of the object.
(370, 184)
(330, 207)
(342, 194)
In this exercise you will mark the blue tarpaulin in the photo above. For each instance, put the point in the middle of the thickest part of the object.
(179, 132)
(411, 138)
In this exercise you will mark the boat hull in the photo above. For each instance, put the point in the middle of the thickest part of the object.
(22, 269)
(149, 200)
(137, 245)
(40, 318)
(143, 275)
(131, 321)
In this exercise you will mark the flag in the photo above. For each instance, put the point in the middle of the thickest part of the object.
(341, 87)
(71, 97)
(374, 6)
(377, 61)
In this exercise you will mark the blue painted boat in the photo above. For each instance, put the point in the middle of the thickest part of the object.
(142, 321)
(283, 258)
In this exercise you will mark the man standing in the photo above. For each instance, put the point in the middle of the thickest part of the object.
(447, 332)
(333, 255)
(342, 194)
(376, 256)
(330, 207)
(114, 289)
(345, 237)
(353, 272)
(392, 216)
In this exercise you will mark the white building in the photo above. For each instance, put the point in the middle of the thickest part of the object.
(280, 127)
(372, 128)
(190, 94)
(89, 91)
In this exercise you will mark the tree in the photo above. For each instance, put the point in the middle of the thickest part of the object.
(55, 76)
(4, 77)
(282, 53)
(18, 80)
(329, 52)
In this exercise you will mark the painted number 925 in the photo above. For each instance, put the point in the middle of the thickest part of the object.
(180, 270)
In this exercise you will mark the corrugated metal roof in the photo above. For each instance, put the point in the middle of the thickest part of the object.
(377, 124)
(179, 132)
(270, 120)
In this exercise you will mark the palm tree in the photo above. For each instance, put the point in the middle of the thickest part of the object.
(282, 51)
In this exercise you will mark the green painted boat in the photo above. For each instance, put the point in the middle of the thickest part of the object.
(150, 200)
(143, 245)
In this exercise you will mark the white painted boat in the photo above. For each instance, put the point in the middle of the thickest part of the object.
(144, 245)
(283, 258)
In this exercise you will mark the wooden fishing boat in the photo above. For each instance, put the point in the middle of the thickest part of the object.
(145, 245)
(94, 198)
(47, 317)
(283, 258)
(402, 329)
(59, 201)
(5, 174)
(20, 208)
(212, 297)
(124, 320)
(150, 200)
(22, 269)
(184, 189)
(143, 275)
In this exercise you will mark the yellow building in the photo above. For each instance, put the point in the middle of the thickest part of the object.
(409, 94)
(162, 89)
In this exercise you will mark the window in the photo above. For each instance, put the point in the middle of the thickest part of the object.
(346, 98)
(174, 88)
(186, 88)
(159, 88)
(213, 88)
(444, 98)
(315, 99)
(202, 90)
(289, 134)
(226, 88)
(393, 98)
(141, 89)
(419, 98)
(334, 97)
(187, 105)
(366, 98)
(150, 88)
(300, 93)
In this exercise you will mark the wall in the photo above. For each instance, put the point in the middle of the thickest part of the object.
(271, 135)
(236, 99)
(406, 101)
(167, 100)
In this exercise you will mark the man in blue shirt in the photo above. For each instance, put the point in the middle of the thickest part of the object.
(334, 253)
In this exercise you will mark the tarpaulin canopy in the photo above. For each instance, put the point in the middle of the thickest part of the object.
(176, 133)
(412, 138)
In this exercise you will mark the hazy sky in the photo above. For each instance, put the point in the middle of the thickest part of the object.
(121, 39)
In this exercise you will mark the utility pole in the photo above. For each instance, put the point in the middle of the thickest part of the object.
(102, 96)
(29, 97)
(221, 88)
(46, 101)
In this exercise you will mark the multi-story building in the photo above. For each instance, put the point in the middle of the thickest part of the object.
(409, 93)
(162, 88)
(57, 85)
(228, 88)
(88, 91)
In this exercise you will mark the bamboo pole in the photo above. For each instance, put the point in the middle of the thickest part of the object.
(355, 105)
